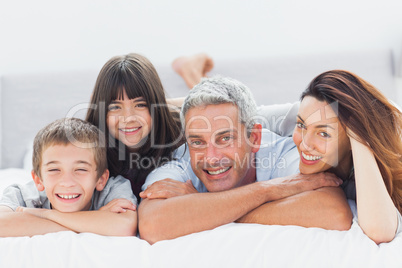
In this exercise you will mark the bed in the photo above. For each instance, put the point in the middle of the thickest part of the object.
(30, 101)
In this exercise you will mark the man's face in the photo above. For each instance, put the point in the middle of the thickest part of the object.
(221, 153)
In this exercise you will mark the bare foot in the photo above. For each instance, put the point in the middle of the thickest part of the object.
(193, 68)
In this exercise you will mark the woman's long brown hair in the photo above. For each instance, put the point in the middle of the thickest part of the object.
(369, 114)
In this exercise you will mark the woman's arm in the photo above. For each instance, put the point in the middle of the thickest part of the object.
(376, 212)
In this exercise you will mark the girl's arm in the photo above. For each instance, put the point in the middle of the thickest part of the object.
(376, 212)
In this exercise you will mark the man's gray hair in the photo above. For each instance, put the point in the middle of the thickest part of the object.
(219, 90)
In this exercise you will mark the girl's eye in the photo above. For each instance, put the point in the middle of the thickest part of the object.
(300, 125)
(53, 170)
(113, 107)
(141, 105)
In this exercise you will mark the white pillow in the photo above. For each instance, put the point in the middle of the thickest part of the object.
(27, 161)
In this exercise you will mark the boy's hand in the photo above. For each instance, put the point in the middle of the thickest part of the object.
(119, 205)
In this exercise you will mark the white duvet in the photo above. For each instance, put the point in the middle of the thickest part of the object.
(231, 245)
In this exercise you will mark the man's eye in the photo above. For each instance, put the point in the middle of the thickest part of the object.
(196, 142)
(227, 138)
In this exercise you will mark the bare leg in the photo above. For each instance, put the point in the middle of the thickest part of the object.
(193, 68)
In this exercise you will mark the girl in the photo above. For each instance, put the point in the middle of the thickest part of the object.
(128, 104)
(346, 126)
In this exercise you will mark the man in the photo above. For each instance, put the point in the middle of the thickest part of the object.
(226, 173)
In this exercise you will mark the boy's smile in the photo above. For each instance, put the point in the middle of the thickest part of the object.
(69, 177)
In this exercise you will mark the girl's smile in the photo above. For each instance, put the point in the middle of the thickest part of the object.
(129, 120)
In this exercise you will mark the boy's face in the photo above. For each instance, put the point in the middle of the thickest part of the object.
(69, 177)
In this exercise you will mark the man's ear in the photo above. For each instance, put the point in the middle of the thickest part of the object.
(255, 137)
(38, 182)
(101, 183)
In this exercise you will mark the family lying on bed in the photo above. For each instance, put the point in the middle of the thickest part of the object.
(212, 163)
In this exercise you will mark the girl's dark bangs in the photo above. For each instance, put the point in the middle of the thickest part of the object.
(132, 85)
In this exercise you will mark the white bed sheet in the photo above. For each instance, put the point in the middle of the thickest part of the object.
(231, 245)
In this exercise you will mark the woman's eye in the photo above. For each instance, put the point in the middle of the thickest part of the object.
(324, 135)
(300, 125)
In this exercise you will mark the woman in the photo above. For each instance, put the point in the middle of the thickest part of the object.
(346, 126)
(128, 104)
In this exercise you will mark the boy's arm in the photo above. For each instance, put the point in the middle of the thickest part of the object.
(14, 224)
(102, 222)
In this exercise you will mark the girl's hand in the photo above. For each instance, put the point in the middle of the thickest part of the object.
(119, 205)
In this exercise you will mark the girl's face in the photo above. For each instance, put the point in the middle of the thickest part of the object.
(129, 120)
(320, 138)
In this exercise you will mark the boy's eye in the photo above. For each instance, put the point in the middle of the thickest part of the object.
(53, 170)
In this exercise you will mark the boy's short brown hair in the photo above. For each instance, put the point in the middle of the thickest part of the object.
(70, 131)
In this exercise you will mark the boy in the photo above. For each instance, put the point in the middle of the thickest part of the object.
(70, 182)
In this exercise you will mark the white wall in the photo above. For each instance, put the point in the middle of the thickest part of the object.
(45, 35)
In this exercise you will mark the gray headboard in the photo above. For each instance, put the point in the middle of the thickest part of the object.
(30, 101)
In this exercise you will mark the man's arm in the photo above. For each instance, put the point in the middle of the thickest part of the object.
(325, 207)
(14, 224)
(161, 219)
(102, 222)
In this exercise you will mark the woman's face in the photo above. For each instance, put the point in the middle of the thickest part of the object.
(129, 120)
(320, 138)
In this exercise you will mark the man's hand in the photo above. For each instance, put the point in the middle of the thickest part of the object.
(298, 183)
(119, 205)
(168, 188)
